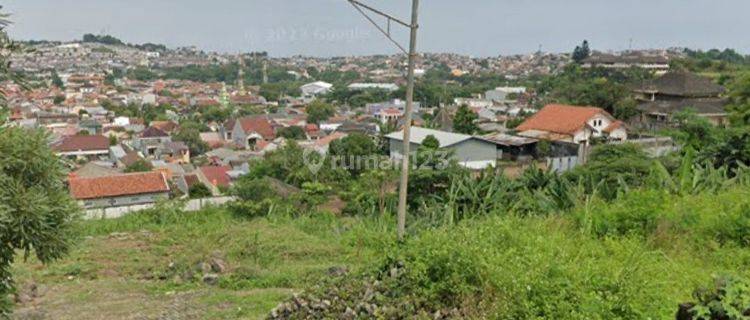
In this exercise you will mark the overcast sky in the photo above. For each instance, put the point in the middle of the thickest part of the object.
(332, 27)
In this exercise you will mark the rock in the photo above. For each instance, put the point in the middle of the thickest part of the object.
(203, 267)
(393, 272)
(177, 279)
(337, 271)
(22, 298)
(188, 275)
(218, 265)
(211, 279)
(349, 314)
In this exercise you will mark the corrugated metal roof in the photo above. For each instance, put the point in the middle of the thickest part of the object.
(418, 134)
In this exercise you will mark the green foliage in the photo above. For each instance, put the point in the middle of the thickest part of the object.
(319, 111)
(739, 95)
(728, 298)
(694, 132)
(36, 212)
(465, 121)
(199, 190)
(142, 74)
(189, 133)
(56, 81)
(606, 89)
(140, 165)
(293, 133)
(103, 39)
(733, 151)
(581, 52)
(354, 152)
(611, 168)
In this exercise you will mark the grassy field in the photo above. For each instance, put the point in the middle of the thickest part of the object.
(140, 266)
(637, 257)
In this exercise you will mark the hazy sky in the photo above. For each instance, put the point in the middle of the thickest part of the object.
(333, 27)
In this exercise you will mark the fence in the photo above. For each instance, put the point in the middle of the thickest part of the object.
(117, 212)
(562, 164)
(656, 146)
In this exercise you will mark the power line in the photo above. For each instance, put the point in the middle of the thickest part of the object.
(412, 55)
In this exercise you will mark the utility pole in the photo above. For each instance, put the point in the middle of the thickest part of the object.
(412, 56)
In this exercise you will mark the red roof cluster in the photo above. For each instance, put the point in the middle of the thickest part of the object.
(217, 175)
(258, 124)
(118, 185)
(82, 143)
(558, 118)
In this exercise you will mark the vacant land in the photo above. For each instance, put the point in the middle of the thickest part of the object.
(144, 267)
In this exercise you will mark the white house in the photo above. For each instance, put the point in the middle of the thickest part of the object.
(373, 86)
(469, 151)
(315, 89)
(573, 124)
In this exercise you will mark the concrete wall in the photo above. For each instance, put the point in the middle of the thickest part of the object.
(124, 201)
(117, 212)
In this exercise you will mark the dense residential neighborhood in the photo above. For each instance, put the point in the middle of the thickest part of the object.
(323, 179)
(113, 110)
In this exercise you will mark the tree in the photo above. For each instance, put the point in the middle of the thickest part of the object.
(612, 165)
(581, 52)
(56, 81)
(112, 140)
(36, 211)
(199, 191)
(189, 133)
(739, 96)
(354, 152)
(292, 133)
(319, 111)
(139, 165)
(464, 122)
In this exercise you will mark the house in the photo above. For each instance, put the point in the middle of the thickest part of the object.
(660, 99)
(149, 140)
(471, 152)
(390, 111)
(501, 94)
(572, 124)
(166, 126)
(119, 190)
(513, 148)
(315, 89)
(247, 132)
(390, 87)
(657, 63)
(83, 146)
(215, 177)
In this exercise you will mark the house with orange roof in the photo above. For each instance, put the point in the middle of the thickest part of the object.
(248, 131)
(85, 146)
(572, 124)
(119, 190)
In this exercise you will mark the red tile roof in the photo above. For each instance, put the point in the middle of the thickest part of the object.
(217, 175)
(258, 124)
(614, 126)
(153, 132)
(559, 118)
(118, 185)
(166, 126)
(82, 143)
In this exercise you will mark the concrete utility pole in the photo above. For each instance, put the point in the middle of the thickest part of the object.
(412, 55)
